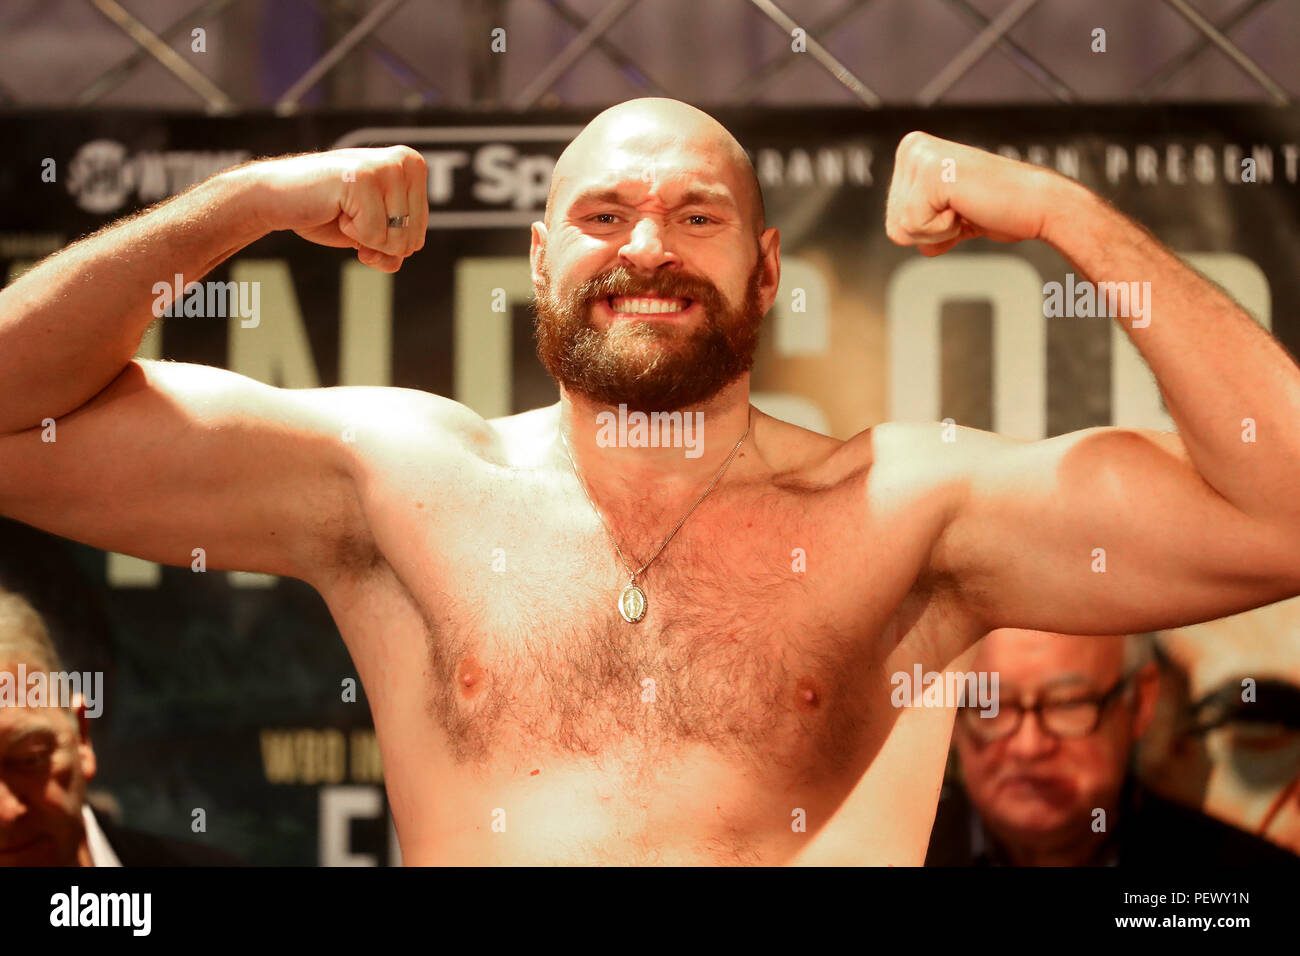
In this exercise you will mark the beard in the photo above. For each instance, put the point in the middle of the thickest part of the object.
(647, 366)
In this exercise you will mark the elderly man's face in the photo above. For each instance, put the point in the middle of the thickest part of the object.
(1034, 788)
(651, 283)
(45, 761)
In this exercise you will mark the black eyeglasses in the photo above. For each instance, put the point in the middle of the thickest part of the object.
(1276, 702)
(1073, 717)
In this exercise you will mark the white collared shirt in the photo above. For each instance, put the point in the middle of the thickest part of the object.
(101, 852)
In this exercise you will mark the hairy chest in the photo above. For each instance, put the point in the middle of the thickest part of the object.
(759, 642)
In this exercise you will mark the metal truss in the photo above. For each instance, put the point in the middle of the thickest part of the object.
(592, 37)
(152, 45)
(156, 46)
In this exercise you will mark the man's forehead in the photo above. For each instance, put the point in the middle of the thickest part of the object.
(642, 165)
(634, 179)
(21, 724)
(1048, 655)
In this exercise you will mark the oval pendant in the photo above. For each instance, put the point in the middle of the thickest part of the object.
(632, 604)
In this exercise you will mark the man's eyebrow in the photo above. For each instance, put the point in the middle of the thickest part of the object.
(695, 196)
(707, 197)
(598, 194)
(1061, 682)
(1068, 682)
(40, 731)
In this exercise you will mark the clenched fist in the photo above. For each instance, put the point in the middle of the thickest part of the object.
(345, 198)
(945, 192)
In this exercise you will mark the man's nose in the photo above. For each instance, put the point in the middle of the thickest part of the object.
(645, 249)
(1030, 739)
(11, 808)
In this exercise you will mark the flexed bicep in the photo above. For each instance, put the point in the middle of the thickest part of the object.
(170, 458)
(1105, 530)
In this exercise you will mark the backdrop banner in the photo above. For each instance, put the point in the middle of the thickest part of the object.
(229, 716)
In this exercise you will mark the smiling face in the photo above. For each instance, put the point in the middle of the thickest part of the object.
(653, 270)
(45, 762)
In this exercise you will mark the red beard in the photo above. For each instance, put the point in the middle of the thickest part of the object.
(614, 366)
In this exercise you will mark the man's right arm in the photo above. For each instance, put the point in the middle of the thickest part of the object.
(157, 459)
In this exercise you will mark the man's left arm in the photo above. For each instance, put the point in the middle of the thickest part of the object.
(1111, 530)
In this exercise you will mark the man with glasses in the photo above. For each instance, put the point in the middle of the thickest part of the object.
(1046, 773)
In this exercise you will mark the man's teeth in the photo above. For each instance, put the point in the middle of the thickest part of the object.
(646, 306)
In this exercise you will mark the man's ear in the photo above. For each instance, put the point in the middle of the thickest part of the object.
(769, 249)
(85, 750)
(537, 253)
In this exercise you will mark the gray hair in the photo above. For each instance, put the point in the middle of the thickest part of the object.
(23, 636)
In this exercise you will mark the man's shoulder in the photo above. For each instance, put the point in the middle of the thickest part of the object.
(1162, 831)
(138, 848)
(917, 458)
(382, 421)
(417, 406)
(951, 842)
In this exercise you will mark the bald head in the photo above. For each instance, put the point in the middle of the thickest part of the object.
(652, 137)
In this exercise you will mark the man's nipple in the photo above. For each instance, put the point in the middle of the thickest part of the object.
(470, 678)
(807, 695)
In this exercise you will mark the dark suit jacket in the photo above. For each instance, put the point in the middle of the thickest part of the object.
(1150, 831)
(137, 848)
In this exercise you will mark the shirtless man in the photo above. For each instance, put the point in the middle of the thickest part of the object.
(746, 717)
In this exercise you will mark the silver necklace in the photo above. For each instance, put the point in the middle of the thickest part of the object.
(632, 601)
